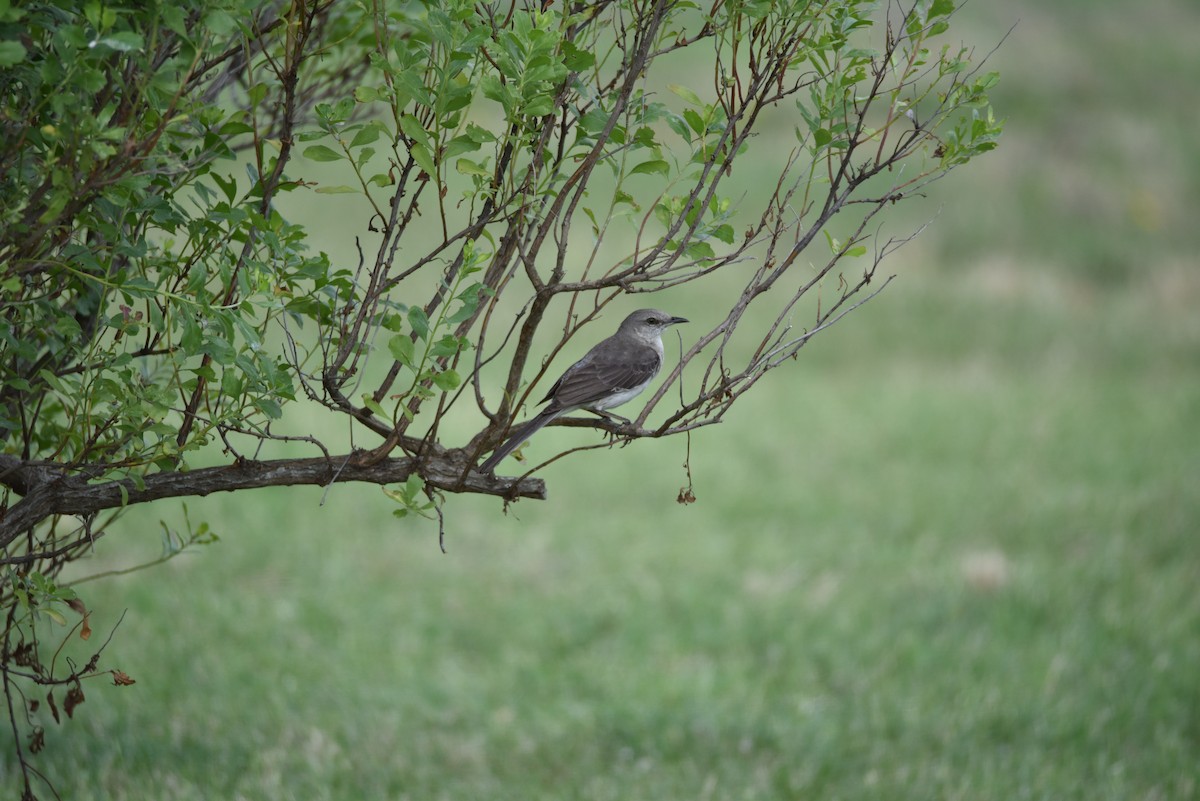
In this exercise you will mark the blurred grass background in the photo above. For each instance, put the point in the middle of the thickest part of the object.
(950, 553)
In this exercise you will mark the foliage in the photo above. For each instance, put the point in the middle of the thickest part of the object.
(157, 300)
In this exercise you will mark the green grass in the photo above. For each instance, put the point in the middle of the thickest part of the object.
(950, 553)
(918, 567)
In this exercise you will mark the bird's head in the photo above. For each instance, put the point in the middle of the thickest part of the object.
(650, 323)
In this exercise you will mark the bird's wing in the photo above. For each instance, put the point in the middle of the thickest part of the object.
(600, 374)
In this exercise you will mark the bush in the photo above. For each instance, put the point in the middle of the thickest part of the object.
(520, 171)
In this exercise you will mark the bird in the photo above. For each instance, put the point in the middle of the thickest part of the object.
(613, 372)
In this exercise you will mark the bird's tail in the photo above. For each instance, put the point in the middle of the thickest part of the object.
(519, 436)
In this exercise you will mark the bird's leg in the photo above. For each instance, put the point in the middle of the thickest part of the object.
(616, 419)
(610, 417)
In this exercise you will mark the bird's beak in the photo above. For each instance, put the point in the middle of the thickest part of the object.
(678, 320)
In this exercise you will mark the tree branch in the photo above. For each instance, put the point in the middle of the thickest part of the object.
(53, 492)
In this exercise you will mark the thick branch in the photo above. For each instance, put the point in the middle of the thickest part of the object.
(73, 495)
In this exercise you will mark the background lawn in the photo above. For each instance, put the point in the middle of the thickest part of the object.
(950, 553)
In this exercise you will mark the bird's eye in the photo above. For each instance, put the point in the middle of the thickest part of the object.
(652, 320)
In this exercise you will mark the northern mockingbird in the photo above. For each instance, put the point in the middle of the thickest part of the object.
(613, 372)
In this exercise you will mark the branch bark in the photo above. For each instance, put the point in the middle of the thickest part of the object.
(50, 491)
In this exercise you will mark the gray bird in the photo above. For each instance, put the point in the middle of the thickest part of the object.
(612, 373)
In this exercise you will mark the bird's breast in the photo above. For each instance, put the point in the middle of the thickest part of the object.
(623, 396)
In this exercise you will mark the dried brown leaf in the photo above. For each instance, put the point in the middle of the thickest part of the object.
(121, 678)
(74, 698)
(85, 631)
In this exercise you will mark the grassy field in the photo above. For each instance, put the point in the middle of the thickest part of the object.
(950, 553)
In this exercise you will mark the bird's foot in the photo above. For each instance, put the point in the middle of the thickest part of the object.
(610, 417)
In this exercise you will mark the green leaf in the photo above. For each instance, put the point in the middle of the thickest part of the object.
(448, 345)
(652, 167)
(193, 336)
(401, 348)
(468, 167)
(221, 351)
(686, 93)
(419, 322)
(11, 53)
(122, 42)
(366, 135)
(270, 407)
(424, 159)
(393, 322)
(447, 380)
(594, 120)
(645, 137)
(941, 8)
(540, 106)
(374, 406)
(575, 59)
(469, 298)
(399, 496)
(232, 383)
(987, 81)
(409, 496)
(415, 131)
(55, 615)
(341, 189)
(679, 126)
(367, 94)
(174, 18)
(835, 244)
(459, 145)
(321, 153)
(493, 89)
(480, 134)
